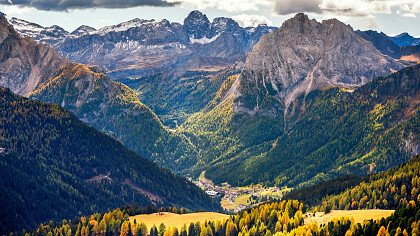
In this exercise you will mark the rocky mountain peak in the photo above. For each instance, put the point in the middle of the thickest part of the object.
(196, 25)
(83, 29)
(304, 55)
(299, 23)
(405, 34)
(222, 24)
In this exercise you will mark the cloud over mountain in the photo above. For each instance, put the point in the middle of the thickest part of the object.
(246, 20)
(354, 8)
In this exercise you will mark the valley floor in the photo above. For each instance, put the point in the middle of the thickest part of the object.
(235, 199)
(358, 215)
(177, 220)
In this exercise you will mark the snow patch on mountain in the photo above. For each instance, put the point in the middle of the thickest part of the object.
(203, 40)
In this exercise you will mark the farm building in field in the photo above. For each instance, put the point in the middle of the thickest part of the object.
(212, 193)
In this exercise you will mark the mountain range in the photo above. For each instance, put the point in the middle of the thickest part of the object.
(404, 39)
(236, 114)
(293, 106)
(139, 51)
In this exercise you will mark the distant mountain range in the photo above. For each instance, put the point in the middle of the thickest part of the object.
(140, 47)
(405, 39)
(247, 105)
(390, 46)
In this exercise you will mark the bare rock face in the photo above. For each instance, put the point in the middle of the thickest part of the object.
(304, 55)
(24, 64)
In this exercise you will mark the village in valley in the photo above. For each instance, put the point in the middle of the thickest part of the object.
(235, 199)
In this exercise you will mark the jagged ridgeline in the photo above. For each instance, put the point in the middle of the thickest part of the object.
(53, 166)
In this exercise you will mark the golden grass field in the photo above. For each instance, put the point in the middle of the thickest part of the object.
(238, 201)
(358, 215)
(177, 220)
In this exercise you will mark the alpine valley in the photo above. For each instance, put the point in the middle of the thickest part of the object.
(99, 127)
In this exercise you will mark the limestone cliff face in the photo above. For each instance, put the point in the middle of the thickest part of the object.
(24, 64)
(304, 55)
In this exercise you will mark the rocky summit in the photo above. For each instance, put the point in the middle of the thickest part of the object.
(304, 55)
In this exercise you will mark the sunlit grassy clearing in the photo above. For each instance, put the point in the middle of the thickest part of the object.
(177, 220)
(358, 215)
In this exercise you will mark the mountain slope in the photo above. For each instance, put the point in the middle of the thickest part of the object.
(24, 64)
(253, 109)
(50, 158)
(383, 190)
(111, 106)
(370, 130)
(332, 132)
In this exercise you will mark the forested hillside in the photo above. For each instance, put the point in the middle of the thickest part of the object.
(113, 107)
(333, 132)
(53, 166)
(386, 190)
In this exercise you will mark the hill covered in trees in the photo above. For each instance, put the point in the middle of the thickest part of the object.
(387, 190)
(53, 166)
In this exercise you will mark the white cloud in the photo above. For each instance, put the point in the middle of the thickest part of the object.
(226, 5)
(409, 10)
(409, 15)
(251, 20)
(354, 8)
(17, 10)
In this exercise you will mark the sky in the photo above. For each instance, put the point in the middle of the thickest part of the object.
(389, 16)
